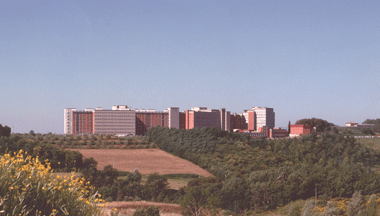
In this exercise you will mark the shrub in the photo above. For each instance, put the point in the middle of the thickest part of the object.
(150, 211)
(356, 205)
(28, 188)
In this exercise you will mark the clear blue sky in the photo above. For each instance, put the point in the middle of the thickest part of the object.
(303, 58)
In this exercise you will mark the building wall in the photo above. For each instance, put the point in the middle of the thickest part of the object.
(68, 120)
(227, 120)
(182, 120)
(114, 121)
(237, 121)
(199, 117)
(264, 117)
(206, 119)
(222, 118)
(278, 133)
(173, 117)
(147, 120)
(251, 123)
(82, 122)
(296, 130)
(190, 120)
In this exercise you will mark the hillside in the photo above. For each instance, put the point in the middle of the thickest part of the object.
(264, 174)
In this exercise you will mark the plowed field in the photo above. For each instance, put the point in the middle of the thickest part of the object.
(147, 161)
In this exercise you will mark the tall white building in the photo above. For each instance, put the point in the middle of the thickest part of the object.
(173, 117)
(258, 117)
(67, 120)
(264, 117)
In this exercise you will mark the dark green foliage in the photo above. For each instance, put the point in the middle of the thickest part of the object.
(375, 127)
(179, 175)
(368, 131)
(262, 174)
(5, 131)
(156, 184)
(150, 211)
(199, 198)
(372, 207)
(320, 124)
(372, 121)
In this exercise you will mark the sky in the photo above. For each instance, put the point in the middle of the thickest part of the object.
(303, 58)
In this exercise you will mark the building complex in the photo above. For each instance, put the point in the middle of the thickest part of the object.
(122, 120)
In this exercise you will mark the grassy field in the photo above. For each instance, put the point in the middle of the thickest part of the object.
(373, 143)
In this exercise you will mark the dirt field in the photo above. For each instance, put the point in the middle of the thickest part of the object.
(146, 160)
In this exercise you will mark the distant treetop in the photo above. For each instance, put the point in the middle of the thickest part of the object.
(372, 121)
(5, 131)
(320, 124)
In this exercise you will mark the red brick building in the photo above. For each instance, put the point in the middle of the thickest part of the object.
(278, 133)
(199, 117)
(299, 129)
(150, 118)
(82, 122)
(182, 120)
(237, 121)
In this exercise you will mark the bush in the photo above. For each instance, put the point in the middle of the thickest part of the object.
(28, 188)
(150, 211)
(356, 205)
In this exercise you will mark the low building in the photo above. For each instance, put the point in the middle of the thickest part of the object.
(278, 133)
(351, 124)
(299, 129)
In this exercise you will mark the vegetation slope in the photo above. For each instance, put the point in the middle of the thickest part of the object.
(264, 174)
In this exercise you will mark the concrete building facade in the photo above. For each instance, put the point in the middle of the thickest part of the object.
(258, 117)
(119, 120)
(199, 117)
(68, 120)
(173, 117)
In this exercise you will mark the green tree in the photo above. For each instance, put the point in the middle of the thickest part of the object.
(320, 124)
(156, 184)
(150, 211)
(5, 131)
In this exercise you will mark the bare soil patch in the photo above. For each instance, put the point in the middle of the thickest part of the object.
(147, 161)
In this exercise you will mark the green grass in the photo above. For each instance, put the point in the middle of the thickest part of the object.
(373, 143)
(176, 181)
(181, 176)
